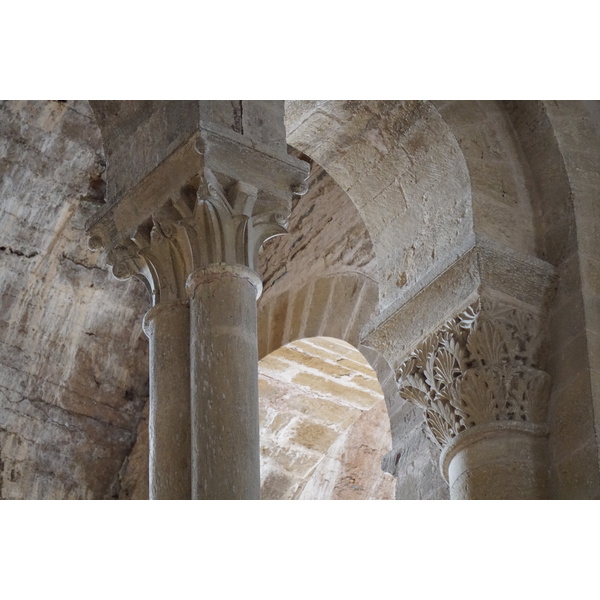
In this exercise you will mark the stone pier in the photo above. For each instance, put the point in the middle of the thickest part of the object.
(190, 225)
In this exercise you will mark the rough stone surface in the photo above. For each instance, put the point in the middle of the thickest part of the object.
(503, 206)
(404, 171)
(169, 434)
(73, 378)
(559, 142)
(411, 188)
(224, 393)
(327, 236)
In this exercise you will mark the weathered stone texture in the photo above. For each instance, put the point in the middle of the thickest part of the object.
(501, 194)
(134, 483)
(70, 396)
(415, 209)
(326, 237)
(139, 135)
(405, 172)
(559, 142)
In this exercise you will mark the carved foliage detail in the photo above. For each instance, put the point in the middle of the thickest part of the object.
(480, 367)
(206, 224)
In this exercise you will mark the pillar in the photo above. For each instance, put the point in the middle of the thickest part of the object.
(503, 461)
(167, 328)
(190, 224)
(224, 376)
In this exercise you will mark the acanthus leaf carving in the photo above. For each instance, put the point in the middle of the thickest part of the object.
(487, 347)
(415, 390)
(479, 368)
(440, 425)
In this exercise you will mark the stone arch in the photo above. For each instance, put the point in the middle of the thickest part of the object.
(324, 424)
(404, 170)
(337, 306)
(505, 207)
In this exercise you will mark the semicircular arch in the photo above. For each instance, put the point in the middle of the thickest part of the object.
(406, 174)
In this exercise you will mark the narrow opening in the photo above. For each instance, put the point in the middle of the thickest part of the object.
(323, 424)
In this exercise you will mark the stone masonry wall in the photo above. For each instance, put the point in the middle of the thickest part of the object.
(73, 359)
(324, 424)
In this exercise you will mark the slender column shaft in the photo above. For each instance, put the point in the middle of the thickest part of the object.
(224, 382)
(168, 329)
(497, 463)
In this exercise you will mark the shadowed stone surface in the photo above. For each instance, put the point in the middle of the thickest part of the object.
(73, 380)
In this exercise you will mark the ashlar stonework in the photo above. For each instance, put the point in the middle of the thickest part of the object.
(453, 243)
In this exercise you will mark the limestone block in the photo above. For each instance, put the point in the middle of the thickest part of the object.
(315, 443)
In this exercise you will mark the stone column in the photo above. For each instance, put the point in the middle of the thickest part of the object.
(167, 328)
(223, 289)
(198, 214)
(224, 353)
(503, 461)
(153, 256)
(479, 380)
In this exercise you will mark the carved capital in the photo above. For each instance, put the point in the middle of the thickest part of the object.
(214, 199)
(481, 368)
(213, 221)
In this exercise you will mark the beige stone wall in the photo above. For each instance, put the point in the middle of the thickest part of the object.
(560, 145)
(408, 187)
(73, 373)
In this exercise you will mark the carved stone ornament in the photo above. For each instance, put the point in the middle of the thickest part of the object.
(207, 224)
(480, 368)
